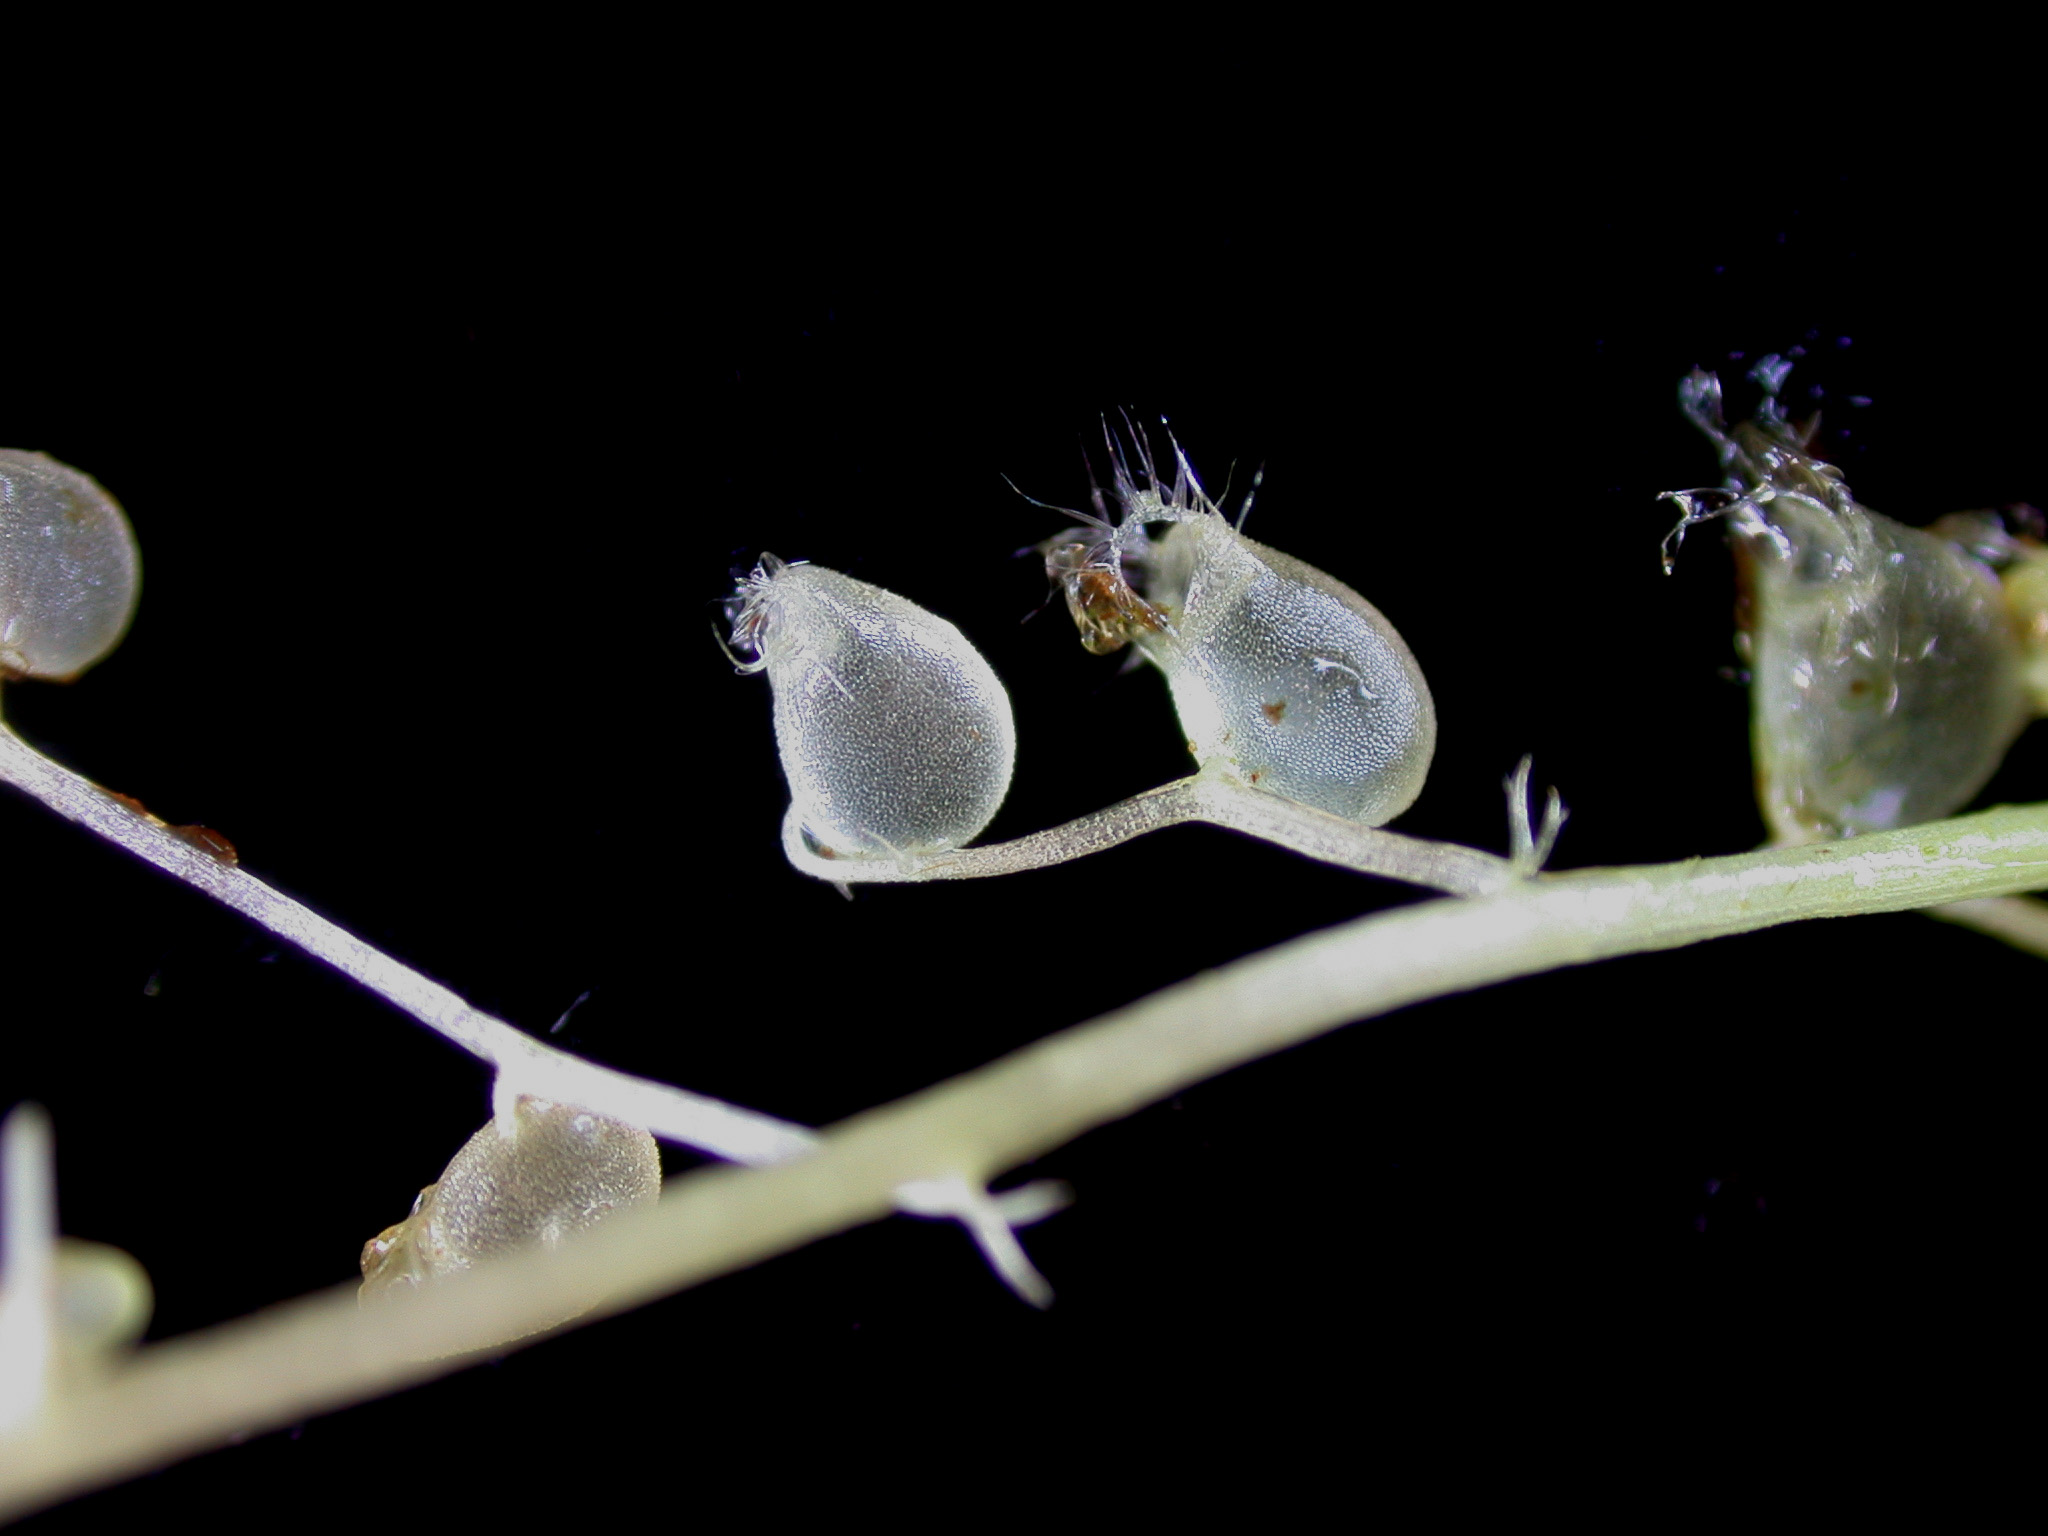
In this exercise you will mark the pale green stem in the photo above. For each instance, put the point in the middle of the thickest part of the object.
(28, 1278)
(322, 1352)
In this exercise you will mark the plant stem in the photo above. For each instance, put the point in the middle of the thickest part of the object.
(2020, 922)
(525, 1065)
(321, 1352)
(1448, 867)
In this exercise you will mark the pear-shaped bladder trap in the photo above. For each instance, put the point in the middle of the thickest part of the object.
(895, 734)
(563, 1169)
(1284, 677)
(1888, 675)
(69, 568)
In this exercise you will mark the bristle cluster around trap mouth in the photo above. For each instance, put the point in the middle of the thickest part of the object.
(747, 612)
(1154, 500)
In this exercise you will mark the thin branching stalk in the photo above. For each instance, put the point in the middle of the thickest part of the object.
(2018, 920)
(524, 1065)
(191, 1394)
(1223, 802)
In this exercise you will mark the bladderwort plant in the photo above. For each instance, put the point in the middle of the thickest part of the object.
(1310, 725)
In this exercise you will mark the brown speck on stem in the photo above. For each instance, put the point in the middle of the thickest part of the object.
(208, 842)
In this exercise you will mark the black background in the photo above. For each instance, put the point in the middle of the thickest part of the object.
(437, 493)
